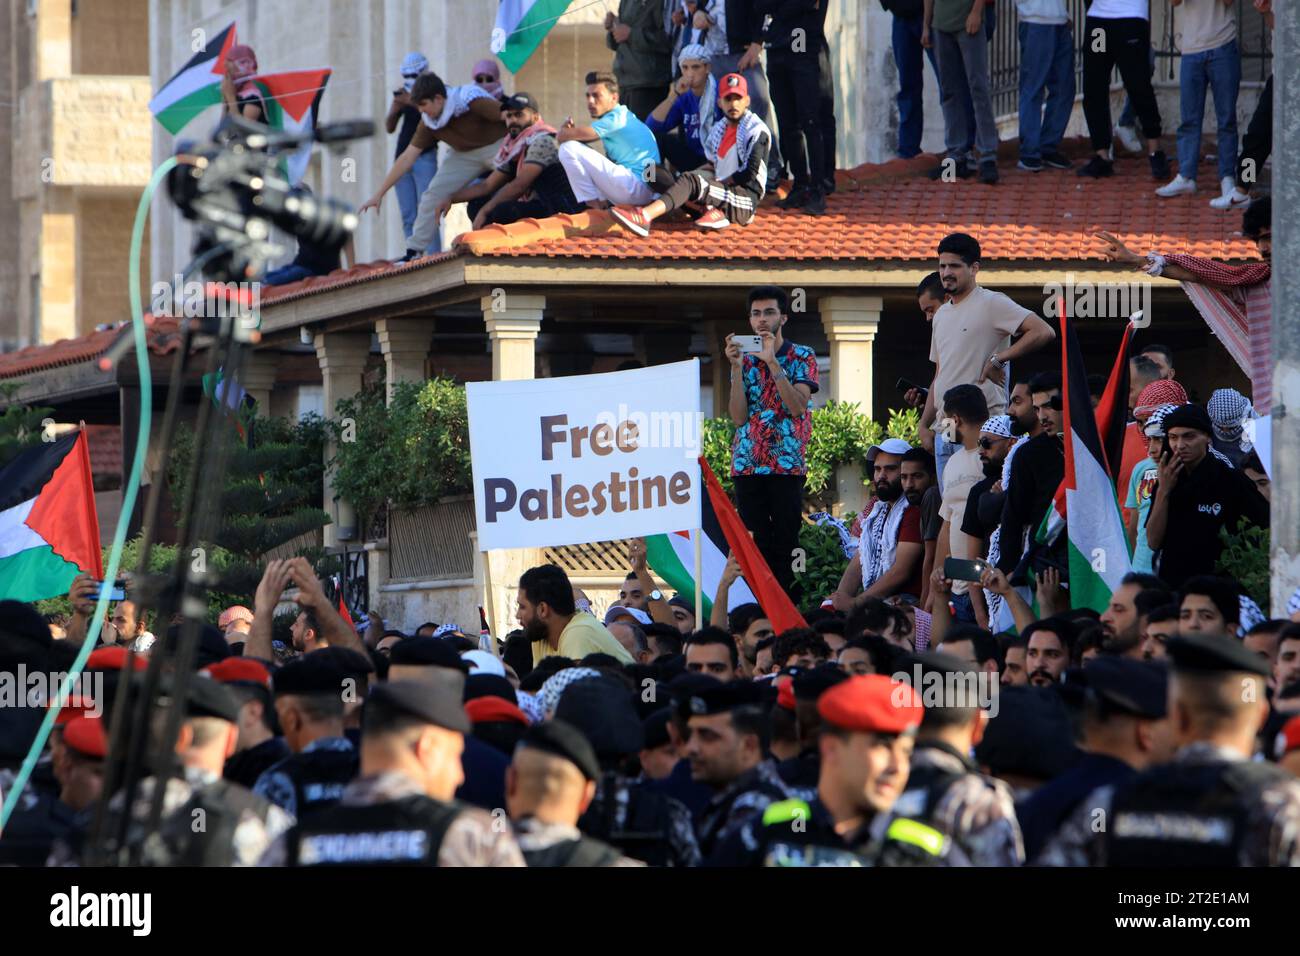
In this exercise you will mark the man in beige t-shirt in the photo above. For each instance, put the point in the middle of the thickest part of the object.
(962, 407)
(970, 337)
(554, 625)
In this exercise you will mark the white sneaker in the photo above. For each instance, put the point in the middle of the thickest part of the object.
(1178, 186)
(1128, 138)
(1232, 198)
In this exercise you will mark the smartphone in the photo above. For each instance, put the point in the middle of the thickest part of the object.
(903, 386)
(961, 569)
(114, 592)
(751, 344)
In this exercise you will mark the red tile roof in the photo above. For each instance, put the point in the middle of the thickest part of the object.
(162, 336)
(105, 445)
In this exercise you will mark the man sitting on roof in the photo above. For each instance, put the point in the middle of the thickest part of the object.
(737, 147)
(625, 172)
(527, 179)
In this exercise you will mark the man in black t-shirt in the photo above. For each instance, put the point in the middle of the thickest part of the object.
(981, 517)
(1196, 495)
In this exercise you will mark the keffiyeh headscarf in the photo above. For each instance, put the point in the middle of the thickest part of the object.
(549, 695)
(1249, 615)
(1162, 391)
(1229, 410)
(999, 425)
(709, 101)
(413, 64)
(1293, 603)
(1155, 427)
(490, 68)
(531, 706)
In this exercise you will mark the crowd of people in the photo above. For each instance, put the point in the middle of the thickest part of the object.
(946, 704)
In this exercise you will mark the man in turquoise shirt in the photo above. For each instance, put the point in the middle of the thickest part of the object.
(624, 174)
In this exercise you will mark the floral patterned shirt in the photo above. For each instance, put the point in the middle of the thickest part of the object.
(772, 441)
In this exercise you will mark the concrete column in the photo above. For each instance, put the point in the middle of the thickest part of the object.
(57, 245)
(851, 323)
(405, 344)
(342, 357)
(53, 39)
(258, 379)
(512, 324)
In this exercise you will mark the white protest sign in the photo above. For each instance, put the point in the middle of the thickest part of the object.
(586, 457)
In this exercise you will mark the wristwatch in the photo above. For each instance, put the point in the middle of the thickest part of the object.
(656, 595)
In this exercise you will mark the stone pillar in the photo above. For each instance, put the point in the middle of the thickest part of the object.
(512, 325)
(53, 39)
(258, 379)
(851, 323)
(405, 344)
(342, 357)
(57, 316)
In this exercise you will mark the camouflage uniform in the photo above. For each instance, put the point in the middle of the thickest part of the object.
(1255, 824)
(473, 838)
(744, 798)
(641, 822)
(554, 844)
(977, 811)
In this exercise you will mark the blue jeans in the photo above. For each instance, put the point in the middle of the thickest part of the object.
(911, 83)
(411, 187)
(1220, 70)
(286, 275)
(943, 450)
(1046, 65)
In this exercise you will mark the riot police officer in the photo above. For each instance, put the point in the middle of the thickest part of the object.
(1212, 805)
(800, 773)
(400, 810)
(945, 790)
(867, 731)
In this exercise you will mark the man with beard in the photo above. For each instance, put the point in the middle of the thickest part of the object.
(553, 624)
(727, 748)
(919, 486)
(890, 552)
(1120, 620)
(983, 507)
(1049, 645)
(527, 180)
(944, 789)
(868, 724)
(965, 410)
(1013, 666)
(1161, 628)
(1036, 472)
(747, 623)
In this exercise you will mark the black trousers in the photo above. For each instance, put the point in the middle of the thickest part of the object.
(795, 82)
(1125, 43)
(642, 100)
(539, 207)
(827, 117)
(772, 508)
(1258, 141)
(674, 149)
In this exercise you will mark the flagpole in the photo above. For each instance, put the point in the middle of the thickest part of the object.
(699, 587)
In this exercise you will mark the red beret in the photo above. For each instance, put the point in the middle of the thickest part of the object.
(871, 703)
(488, 710)
(112, 658)
(86, 736)
(239, 670)
(1289, 738)
(75, 707)
(785, 692)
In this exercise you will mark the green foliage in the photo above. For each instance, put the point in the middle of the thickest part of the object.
(410, 454)
(20, 425)
(904, 423)
(715, 445)
(840, 435)
(1245, 560)
(824, 562)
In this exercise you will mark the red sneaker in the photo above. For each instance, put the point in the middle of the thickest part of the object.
(712, 219)
(632, 218)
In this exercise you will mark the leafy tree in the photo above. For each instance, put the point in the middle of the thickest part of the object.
(20, 425)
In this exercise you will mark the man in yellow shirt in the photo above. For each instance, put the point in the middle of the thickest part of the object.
(554, 625)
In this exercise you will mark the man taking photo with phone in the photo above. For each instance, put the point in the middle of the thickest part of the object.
(772, 381)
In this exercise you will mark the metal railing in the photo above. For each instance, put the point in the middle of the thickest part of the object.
(1253, 39)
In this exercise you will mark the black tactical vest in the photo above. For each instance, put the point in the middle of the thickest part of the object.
(926, 786)
(644, 834)
(319, 777)
(1183, 814)
(405, 832)
(220, 805)
(583, 851)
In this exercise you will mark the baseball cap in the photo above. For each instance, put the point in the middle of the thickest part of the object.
(733, 84)
(618, 610)
(890, 446)
(520, 101)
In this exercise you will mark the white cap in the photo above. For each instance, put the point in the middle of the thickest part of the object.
(483, 662)
(890, 446)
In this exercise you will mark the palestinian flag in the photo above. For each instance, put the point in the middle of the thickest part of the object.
(1112, 410)
(1086, 503)
(49, 531)
(195, 86)
(521, 27)
(293, 106)
(672, 557)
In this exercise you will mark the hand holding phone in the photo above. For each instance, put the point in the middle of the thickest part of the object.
(961, 569)
(749, 344)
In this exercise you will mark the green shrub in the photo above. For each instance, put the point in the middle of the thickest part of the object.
(1245, 559)
(823, 565)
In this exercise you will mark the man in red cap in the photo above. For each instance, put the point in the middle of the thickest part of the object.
(865, 742)
(737, 148)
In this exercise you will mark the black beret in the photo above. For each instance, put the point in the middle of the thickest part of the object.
(1189, 416)
(489, 685)
(811, 682)
(602, 709)
(1139, 688)
(563, 740)
(723, 698)
(1214, 654)
(655, 728)
(212, 647)
(427, 652)
(205, 697)
(353, 663)
(314, 673)
(423, 701)
(1030, 735)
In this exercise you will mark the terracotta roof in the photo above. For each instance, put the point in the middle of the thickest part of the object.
(162, 338)
(339, 278)
(105, 444)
